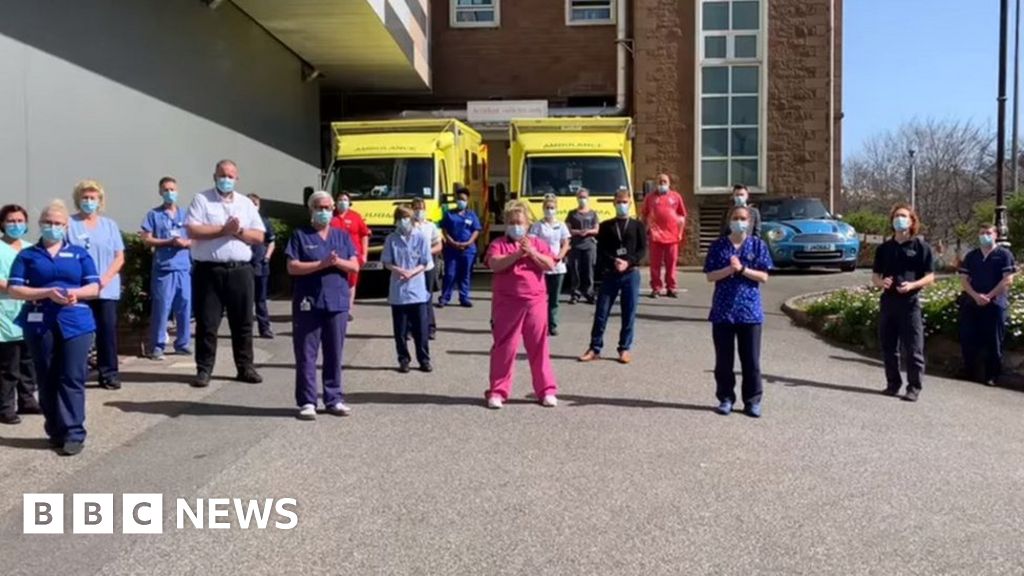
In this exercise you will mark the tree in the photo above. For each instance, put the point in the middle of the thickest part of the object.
(955, 171)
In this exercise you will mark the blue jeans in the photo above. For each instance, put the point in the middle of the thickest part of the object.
(613, 286)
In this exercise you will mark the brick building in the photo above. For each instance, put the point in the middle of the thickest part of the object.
(721, 91)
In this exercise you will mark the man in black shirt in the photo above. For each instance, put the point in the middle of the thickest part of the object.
(903, 266)
(621, 245)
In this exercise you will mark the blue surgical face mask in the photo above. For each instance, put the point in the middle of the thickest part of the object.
(404, 226)
(986, 241)
(421, 215)
(739, 226)
(622, 210)
(550, 213)
(88, 206)
(170, 196)
(461, 204)
(322, 217)
(15, 229)
(52, 233)
(343, 205)
(662, 188)
(739, 200)
(901, 223)
(225, 185)
(515, 231)
(583, 202)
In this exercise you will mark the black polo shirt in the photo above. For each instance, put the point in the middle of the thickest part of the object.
(986, 272)
(904, 262)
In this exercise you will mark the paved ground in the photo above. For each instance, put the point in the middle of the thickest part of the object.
(632, 474)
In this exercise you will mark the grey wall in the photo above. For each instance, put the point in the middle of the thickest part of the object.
(128, 91)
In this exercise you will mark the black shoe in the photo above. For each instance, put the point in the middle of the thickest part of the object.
(268, 335)
(466, 304)
(591, 300)
(991, 382)
(11, 419)
(55, 443)
(111, 384)
(249, 375)
(655, 295)
(403, 367)
(911, 395)
(552, 331)
(30, 408)
(202, 380)
(672, 294)
(440, 305)
(574, 300)
(351, 318)
(427, 367)
(72, 448)
(890, 391)
(432, 335)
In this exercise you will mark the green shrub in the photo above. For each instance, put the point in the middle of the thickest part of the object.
(867, 222)
(135, 281)
(851, 315)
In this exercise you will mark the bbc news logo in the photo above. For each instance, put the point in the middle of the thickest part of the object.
(144, 513)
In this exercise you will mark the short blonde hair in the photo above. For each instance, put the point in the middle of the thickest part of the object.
(513, 207)
(55, 206)
(88, 186)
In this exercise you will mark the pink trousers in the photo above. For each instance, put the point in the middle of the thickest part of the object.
(527, 321)
(667, 256)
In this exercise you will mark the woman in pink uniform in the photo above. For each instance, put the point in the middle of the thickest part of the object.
(519, 308)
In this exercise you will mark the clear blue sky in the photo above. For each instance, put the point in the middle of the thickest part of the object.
(919, 58)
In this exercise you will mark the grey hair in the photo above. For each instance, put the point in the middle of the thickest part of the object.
(317, 196)
(224, 162)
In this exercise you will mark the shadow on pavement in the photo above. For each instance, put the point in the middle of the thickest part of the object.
(343, 368)
(26, 443)
(520, 356)
(865, 361)
(397, 398)
(796, 382)
(661, 318)
(176, 408)
(631, 403)
(464, 330)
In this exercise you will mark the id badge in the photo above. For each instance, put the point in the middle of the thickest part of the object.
(305, 306)
(621, 252)
(175, 233)
(35, 317)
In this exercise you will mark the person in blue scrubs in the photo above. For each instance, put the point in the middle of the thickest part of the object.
(320, 258)
(738, 263)
(986, 274)
(171, 283)
(406, 255)
(460, 228)
(101, 237)
(55, 277)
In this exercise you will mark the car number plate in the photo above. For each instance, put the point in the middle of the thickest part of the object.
(373, 265)
(821, 248)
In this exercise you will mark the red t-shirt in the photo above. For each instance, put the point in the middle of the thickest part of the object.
(351, 222)
(661, 214)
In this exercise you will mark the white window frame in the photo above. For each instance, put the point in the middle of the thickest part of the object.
(730, 61)
(611, 20)
(453, 9)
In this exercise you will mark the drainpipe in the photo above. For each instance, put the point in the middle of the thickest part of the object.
(832, 113)
(624, 47)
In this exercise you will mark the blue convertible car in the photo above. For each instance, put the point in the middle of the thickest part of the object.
(801, 233)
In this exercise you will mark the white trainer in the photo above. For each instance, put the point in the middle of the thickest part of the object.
(307, 412)
(339, 409)
(495, 402)
(550, 401)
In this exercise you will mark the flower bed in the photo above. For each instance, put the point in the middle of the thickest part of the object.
(851, 315)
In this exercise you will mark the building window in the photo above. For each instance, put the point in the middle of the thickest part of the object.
(589, 12)
(475, 13)
(731, 94)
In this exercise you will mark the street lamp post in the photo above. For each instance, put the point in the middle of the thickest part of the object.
(1000, 215)
(1015, 146)
(913, 178)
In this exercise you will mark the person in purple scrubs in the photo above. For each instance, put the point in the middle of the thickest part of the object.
(320, 258)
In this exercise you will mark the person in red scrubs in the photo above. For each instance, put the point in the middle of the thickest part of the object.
(665, 216)
(350, 221)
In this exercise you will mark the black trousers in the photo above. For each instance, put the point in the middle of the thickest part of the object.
(982, 331)
(901, 331)
(581, 271)
(261, 287)
(17, 377)
(431, 288)
(105, 314)
(215, 288)
(747, 338)
(411, 317)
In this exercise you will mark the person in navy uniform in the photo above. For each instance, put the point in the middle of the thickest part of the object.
(903, 266)
(986, 274)
(460, 228)
(320, 258)
(163, 230)
(56, 278)
(261, 255)
(738, 263)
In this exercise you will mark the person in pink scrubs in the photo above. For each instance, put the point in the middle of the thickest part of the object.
(519, 308)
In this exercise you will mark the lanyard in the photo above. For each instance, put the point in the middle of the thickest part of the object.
(620, 230)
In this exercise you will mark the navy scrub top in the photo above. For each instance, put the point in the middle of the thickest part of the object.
(325, 289)
(71, 267)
